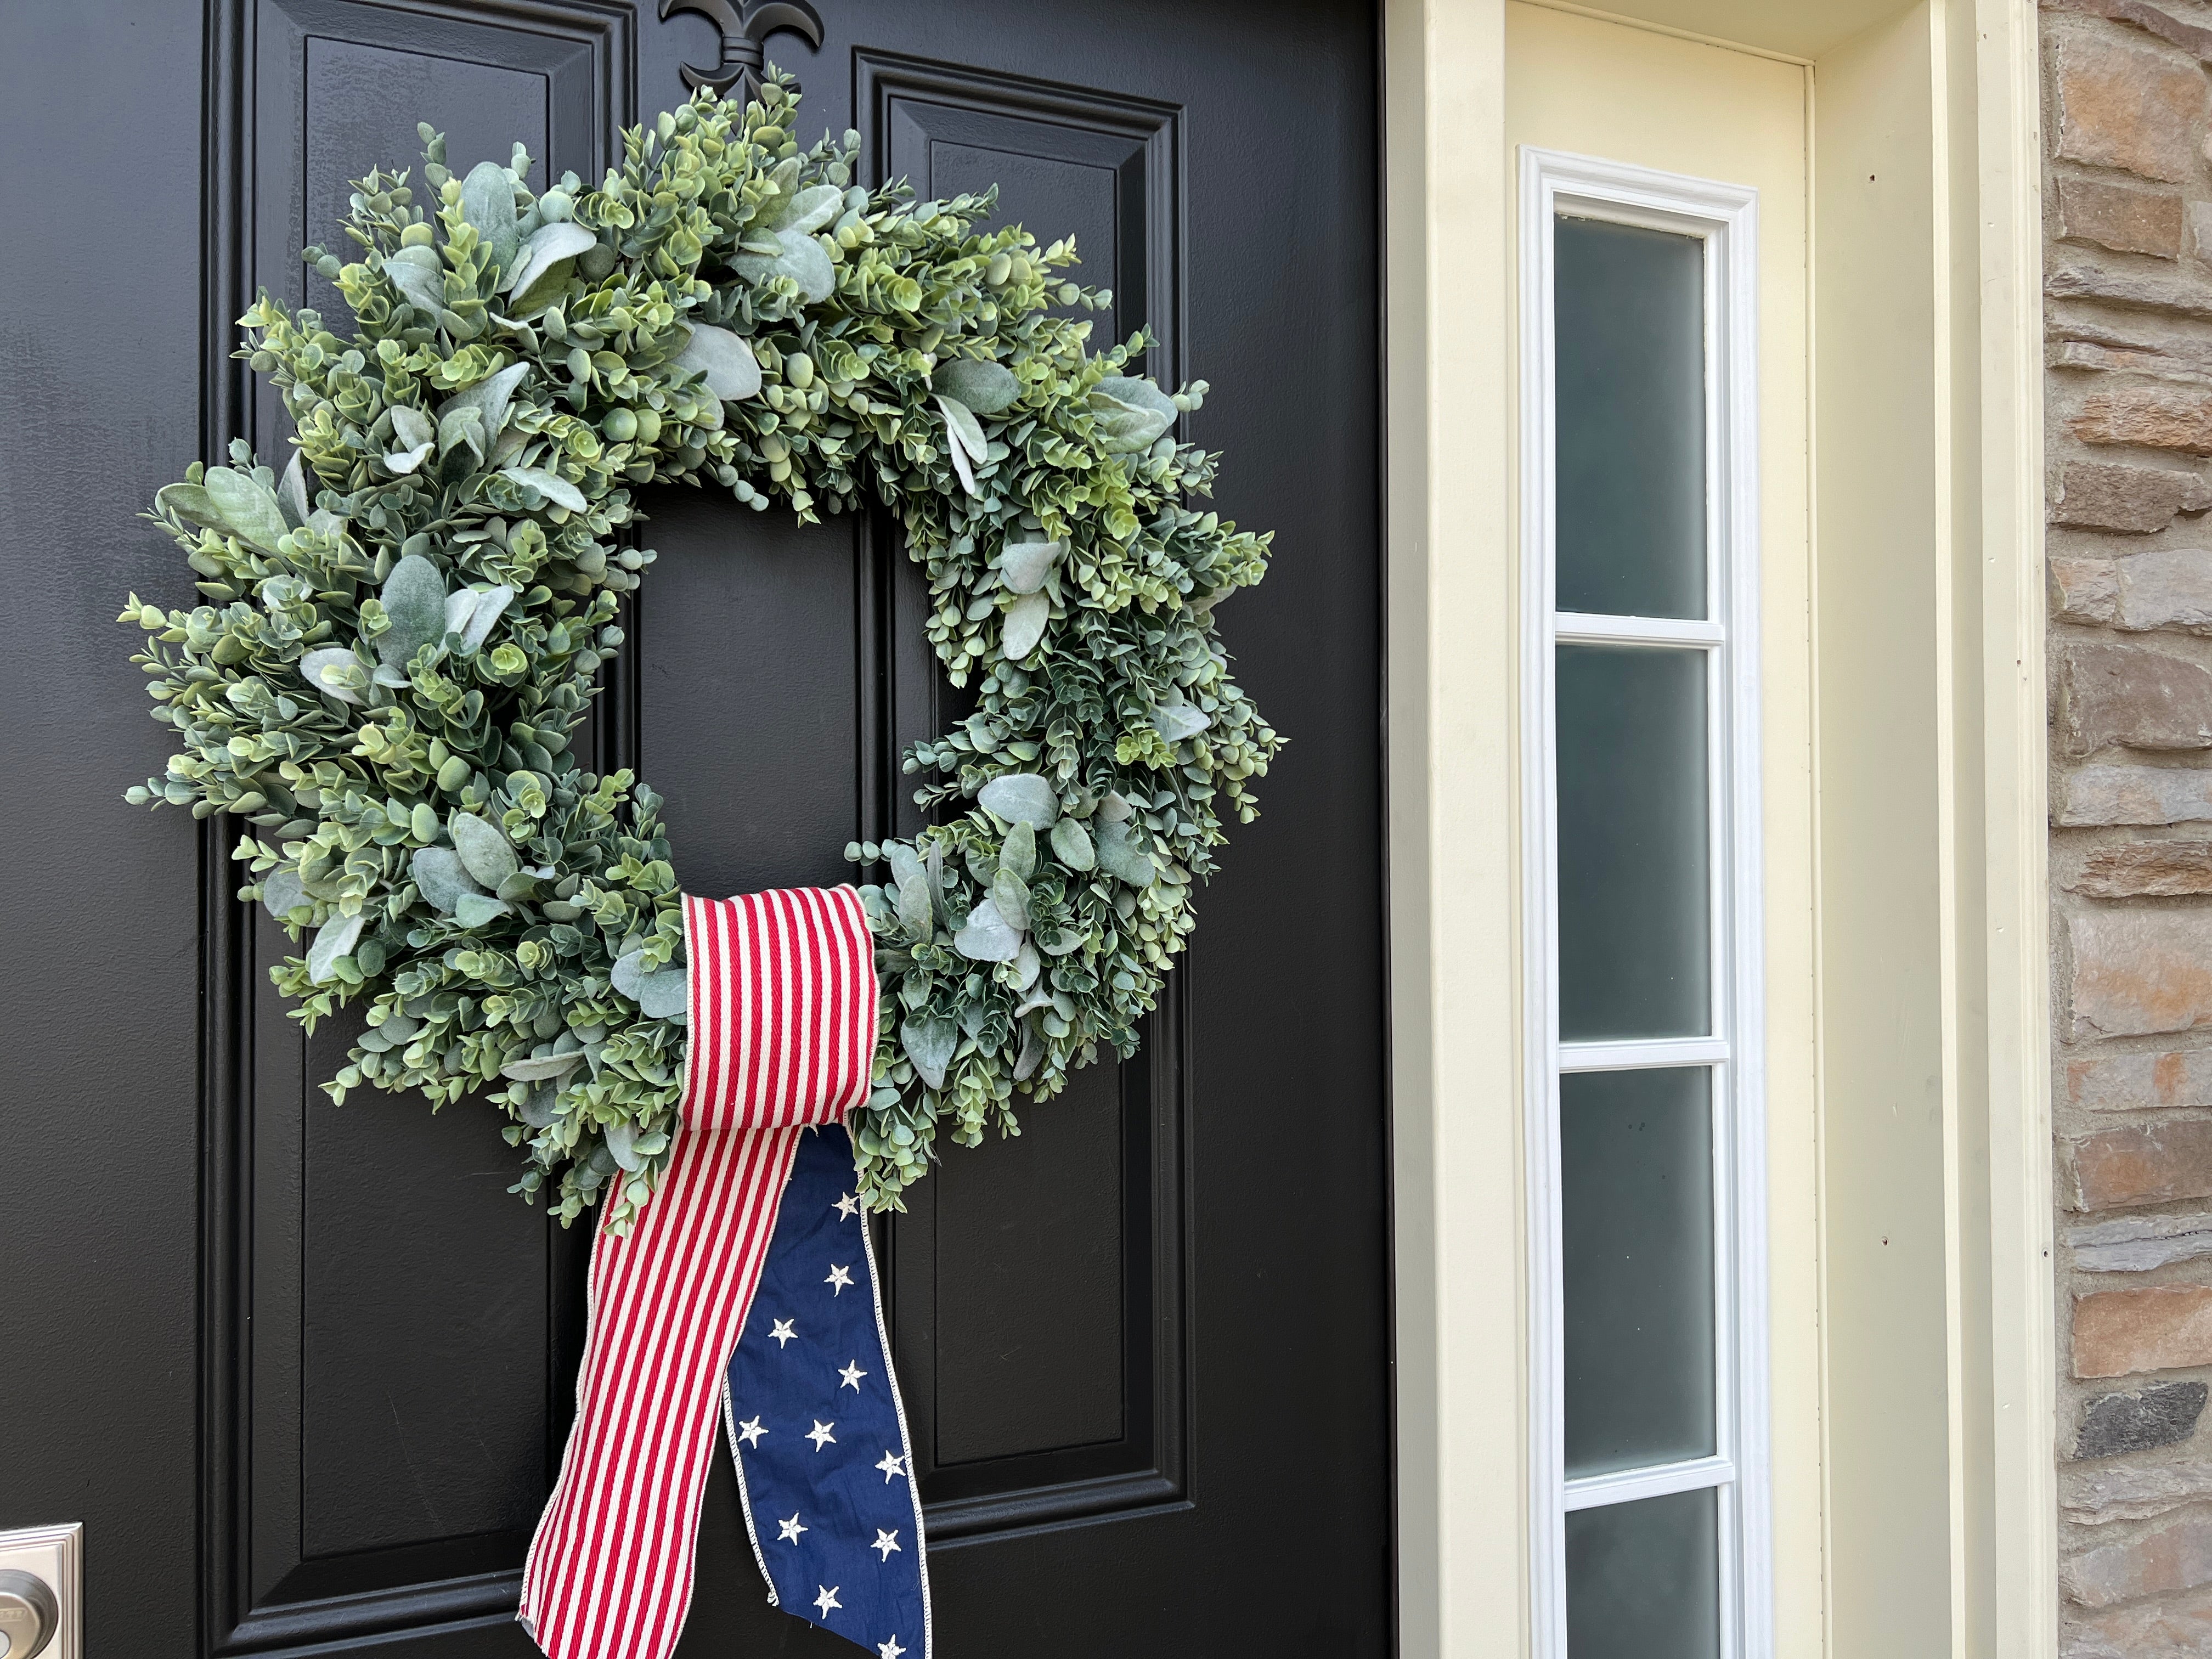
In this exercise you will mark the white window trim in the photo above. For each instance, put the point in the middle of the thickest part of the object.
(1726, 216)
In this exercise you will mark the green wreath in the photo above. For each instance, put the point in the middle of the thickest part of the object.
(400, 636)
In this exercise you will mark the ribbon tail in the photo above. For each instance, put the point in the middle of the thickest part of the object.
(611, 1568)
(817, 1427)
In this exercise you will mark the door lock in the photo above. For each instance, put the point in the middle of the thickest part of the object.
(42, 1592)
(29, 1615)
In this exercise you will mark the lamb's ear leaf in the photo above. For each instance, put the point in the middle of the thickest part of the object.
(1023, 566)
(986, 388)
(810, 209)
(414, 599)
(487, 203)
(292, 492)
(485, 850)
(551, 485)
(1025, 623)
(334, 939)
(724, 358)
(248, 510)
(1021, 797)
(489, 396)
(440, 877)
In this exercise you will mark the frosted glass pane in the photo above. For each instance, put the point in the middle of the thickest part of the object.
(1634, 883)
(1643, 1579)
(1629, 324)
(1636, 1171)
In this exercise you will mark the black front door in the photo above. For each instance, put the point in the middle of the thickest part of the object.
(304, 1371)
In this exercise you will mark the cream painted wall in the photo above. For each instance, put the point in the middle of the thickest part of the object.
(1596, 87)
(1909, 1098)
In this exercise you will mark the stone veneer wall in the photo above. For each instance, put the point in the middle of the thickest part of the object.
(2127, 278)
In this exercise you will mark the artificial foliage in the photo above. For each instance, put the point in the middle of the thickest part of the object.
(399, 637)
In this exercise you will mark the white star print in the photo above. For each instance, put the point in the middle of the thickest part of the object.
(889, 1649)
(827, 1599)
(788, 1531)
(821, 1436)
(892, 1464)
(783, 1333)
(852, 1375)
(845, 1206)
(842, 1278)
(749, 1431)
(885, 1543)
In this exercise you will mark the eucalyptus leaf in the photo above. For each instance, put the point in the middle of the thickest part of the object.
(487, 203)
(440, 877)
(666, 994)
(1021, 797)
(551, 485)
(630, 973)
(930, 1044)
(484, 849)
(537, 1068)
(985, 388)
(622, 1145)
(477, 909)
(334, 939)
(1128, 413)
(414, 600)
(247, 509)
(1023, 566)
(282, 893)
(724, 357)
(540, 1106)
(317, 666)
(988, 936)
(1025, 624)
(1070, 844)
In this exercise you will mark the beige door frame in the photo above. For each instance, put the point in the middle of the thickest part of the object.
(1934, 1320)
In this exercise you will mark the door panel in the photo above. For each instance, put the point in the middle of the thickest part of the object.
(1144, 1345)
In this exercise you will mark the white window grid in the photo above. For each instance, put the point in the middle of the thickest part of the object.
(1724, 217)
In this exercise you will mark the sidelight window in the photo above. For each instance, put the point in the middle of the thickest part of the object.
(1640, 501)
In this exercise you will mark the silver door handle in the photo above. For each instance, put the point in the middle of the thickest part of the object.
(42, 1592)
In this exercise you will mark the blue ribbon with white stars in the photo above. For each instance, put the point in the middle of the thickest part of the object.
(824, 1465)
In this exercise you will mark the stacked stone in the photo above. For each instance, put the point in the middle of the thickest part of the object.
(2128, 278)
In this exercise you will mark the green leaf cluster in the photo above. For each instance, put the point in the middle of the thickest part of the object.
(398, 639)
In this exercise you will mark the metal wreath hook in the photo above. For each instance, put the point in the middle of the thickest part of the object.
(745, 25)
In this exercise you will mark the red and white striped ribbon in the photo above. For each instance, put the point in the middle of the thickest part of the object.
(783, 1031)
